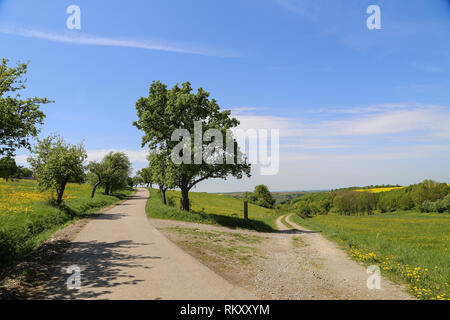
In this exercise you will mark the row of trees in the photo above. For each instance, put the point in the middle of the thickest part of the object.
(53, 162)
(427, 196)
(166, 110)
(10, 170)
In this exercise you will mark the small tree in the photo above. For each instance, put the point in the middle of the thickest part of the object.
(117, 168)
(159, 166)
(97, 173)
(263, 196)
(55, 163)
(19, 118)
(8, 168)
(146, 175)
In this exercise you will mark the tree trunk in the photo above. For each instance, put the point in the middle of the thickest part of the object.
(184, 202)
(107, 189)
(163, 195)
(61, 193)
(94, 188)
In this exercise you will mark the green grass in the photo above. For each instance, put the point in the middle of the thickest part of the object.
(212, 209)
(27, 217)
(407, 245)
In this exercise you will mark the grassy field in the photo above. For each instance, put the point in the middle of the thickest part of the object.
(408, 245)
(212, 209)
(27, 217)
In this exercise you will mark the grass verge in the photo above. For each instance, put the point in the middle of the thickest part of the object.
(212, 209)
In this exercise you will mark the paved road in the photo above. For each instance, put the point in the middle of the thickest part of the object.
(122, 256)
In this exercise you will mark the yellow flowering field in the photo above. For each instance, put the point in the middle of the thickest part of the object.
(378, 190)
(409, 246)
(20, 196)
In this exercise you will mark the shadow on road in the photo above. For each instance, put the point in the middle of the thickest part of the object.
(101, 265)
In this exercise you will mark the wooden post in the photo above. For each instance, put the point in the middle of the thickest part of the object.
(245, 210)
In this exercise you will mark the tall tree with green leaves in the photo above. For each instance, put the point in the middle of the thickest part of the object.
(165, 110)
(19, 118)
(56, 163)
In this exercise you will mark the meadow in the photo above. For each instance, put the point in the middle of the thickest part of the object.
(28, 217)
(212, 209)
(408, 246)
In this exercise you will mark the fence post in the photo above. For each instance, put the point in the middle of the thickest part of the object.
(245, 210)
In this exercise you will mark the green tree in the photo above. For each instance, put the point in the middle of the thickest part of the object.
(8, 168)
(146, 175)
(137, 180)
(164, 111)
(19, 118)
(117, 168)
(263, 196)
(159, 166)
(96, 176)
(428, 190)
(303, 209)
(55, 163)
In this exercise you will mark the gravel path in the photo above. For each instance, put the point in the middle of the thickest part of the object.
(299, 264)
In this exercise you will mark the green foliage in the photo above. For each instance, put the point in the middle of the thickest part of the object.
(146, 174)
(137, 180)
(440, 206)
(423, 196)
(353, 202)
(311, 204)
(56, 163)
(111, 173)
(23, 173)
(8, 168)
(419, 196)
(261, 196)
(428, 190)
(165, 111)
(19, 118)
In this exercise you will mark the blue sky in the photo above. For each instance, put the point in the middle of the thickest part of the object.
(354, 106)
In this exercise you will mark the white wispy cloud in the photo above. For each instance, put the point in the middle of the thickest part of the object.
(426, 120)
(93, 40)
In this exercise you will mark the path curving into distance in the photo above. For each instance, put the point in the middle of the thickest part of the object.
(334, 270)
(122, 256)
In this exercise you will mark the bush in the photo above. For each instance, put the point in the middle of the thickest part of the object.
(441, 206)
